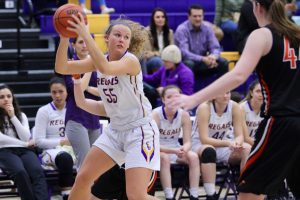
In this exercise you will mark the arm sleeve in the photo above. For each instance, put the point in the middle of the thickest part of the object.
(155, 78)
(181, 40)
(22, 129)
(39, 131)
(7, 140)
(187, 82)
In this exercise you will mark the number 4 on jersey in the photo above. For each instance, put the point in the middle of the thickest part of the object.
(289, 54)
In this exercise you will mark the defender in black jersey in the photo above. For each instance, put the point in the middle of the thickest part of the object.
(274, 51)
(112, 184)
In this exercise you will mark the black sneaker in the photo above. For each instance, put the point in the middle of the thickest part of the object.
(212, 197)
(193, 198)
(170, 198)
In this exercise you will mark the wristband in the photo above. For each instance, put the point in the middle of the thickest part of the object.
(76, 81)
(76, 76)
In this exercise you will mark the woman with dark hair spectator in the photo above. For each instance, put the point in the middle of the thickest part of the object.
(17, 158)
(160, 36)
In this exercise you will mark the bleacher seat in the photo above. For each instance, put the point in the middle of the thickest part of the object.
(231, 56)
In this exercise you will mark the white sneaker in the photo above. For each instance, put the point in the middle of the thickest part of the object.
(107, 10)
(87, 11)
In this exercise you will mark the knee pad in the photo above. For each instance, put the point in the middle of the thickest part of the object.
(208, 155)
(64, 160)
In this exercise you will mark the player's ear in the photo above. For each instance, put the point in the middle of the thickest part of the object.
(106, 38)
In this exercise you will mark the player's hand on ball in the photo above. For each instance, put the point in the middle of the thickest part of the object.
(78, 25)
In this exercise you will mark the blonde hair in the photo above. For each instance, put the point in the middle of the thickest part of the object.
(139, 35)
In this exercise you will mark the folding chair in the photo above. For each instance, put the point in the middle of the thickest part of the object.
(227, 176)
(180, 180)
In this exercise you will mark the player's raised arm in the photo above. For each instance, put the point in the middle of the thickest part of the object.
(89, 105)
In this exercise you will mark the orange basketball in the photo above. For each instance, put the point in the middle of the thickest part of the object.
(61, 17)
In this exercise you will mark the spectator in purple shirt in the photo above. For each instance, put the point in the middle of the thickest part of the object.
(199, 45)
(173, 72)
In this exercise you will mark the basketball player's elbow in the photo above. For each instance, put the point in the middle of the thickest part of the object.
(79, 103)
(59, 69)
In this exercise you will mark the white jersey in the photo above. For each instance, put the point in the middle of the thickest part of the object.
(49, 126)
(124, 100)
(219, 127)
(169, 131)
(252, 119)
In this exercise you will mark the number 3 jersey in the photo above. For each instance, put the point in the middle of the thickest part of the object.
(124, 100)
(169, 132)
(219, 127)
(49, 126)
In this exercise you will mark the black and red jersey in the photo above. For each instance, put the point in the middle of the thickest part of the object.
(279, 75)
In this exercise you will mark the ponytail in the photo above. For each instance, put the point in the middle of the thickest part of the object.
(280, 22)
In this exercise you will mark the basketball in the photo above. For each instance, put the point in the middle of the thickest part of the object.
(61, 17)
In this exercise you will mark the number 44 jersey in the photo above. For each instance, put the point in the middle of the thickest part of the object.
(219, 127)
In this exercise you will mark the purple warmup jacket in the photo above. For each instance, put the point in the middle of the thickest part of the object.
(74, 113)
(182, 76)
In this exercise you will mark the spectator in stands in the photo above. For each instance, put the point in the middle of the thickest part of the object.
(101, 3)
(17, 157)
(170, 124)
(173, 72)
(49, 135)
(160, 36)
(82, 128)
(218, 138)
(250, 107)
(227, 15)
(246, 24)
(199, 45)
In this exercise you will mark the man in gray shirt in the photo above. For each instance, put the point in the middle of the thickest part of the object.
(199, 45)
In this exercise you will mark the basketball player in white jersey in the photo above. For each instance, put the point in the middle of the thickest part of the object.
(171, 123)
(132, 136)
(218, 138)
(250, 107)
(49, 135)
